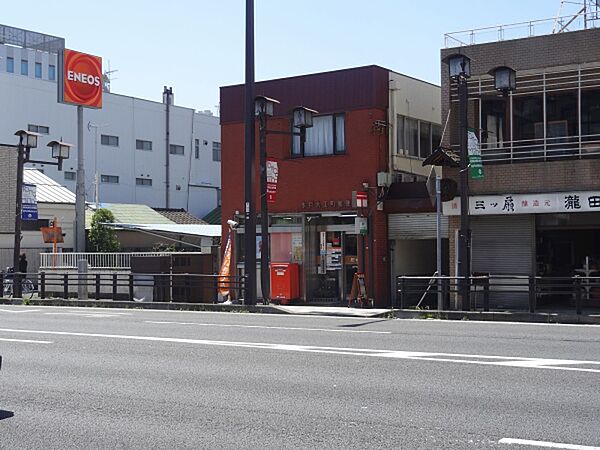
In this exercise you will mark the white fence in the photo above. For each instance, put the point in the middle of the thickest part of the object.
(95, 260)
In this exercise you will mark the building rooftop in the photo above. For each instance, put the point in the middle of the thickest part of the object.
(180, 216)
(129, 213)
(47, 190)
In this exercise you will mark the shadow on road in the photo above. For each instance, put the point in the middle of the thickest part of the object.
(6, 414)
(361, 324)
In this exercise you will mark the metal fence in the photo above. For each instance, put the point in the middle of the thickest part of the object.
(548, 293)
(184, 288)
(95, 260)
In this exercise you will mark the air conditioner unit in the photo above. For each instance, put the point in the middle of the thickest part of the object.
(384, 179)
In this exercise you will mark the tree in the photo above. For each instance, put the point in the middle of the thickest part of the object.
(102, 238)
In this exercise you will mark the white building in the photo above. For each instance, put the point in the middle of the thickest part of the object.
(125, 142)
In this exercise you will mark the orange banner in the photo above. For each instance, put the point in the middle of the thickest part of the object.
(225, 270)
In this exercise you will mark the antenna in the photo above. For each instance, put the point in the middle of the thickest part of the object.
(576, 14)
(107, 78)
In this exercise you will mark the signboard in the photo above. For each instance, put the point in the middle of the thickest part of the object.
(475, 164)
(361, 225)
(80, 79)
(554, 202)
(272, 175)
(52, 235)
(29, 209)
(359, 199)
(334, 257)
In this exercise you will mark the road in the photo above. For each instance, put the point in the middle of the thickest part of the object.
(108, 378)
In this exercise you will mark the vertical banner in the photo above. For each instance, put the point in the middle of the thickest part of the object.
(475, 162)
(225, 269)
(29, 209)
(272, 175)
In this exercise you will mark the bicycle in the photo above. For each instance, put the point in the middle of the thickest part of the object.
(27, 287)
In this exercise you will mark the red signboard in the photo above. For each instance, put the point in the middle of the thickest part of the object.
(81, 79)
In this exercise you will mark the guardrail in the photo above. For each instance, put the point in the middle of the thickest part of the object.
(521, 30)
(533, 291)
(141, 287)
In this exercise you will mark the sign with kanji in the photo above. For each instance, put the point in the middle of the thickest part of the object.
(475, 163)
(554, 202)
(272, 175)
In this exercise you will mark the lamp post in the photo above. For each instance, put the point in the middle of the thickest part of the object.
(460, 71)
(27, 141)
(459, 67)
(302, 119)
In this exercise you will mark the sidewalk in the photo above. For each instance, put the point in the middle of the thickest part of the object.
(562, 316)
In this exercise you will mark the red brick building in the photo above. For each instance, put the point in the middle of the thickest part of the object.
(313, 220)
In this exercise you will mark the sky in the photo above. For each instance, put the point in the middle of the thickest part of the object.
(198, 46)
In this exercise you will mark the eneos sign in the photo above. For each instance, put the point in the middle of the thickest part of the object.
(81, 79)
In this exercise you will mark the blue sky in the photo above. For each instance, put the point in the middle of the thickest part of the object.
(197, 46)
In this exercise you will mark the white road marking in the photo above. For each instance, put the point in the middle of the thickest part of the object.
(546, 444)
(16, 311)
(265, 327)
(82, 314)
(486, 360)
(25, 341)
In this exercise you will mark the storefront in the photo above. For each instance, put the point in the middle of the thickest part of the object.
(323, 245)
(548, 234)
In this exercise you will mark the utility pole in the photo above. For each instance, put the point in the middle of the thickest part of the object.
(249, 207)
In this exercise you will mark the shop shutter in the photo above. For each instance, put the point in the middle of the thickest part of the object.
(503, 245)
(415, 226)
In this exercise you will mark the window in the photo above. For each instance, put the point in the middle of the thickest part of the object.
(10, 64)
(52, 72)
(176, 149)
(143, 145)
(197, 148)
(143, 181)
(216, 150)
(70, 176)
(112, 141)
(114, 179)
(590, 113)
(38, 70)
(24, 67)
(325, 137)
(415, 137)
(42, 129)
(528, 114)
(218, 197)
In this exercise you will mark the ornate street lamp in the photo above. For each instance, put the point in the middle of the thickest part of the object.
(505, 79)
(60, 151)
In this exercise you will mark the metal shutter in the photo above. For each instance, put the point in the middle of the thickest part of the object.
(415, 226)
(503, 245)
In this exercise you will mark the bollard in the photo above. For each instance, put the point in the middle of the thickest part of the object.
(42, 285)
(97, 286)
(66, 286)
(532, 289)
(130, 287)
(486, 294)
(114, 286)
(578, 296)
(402, 289)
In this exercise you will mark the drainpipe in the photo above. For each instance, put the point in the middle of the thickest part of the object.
(168, 100)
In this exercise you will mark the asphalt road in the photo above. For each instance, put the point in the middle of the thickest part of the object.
(103, 378)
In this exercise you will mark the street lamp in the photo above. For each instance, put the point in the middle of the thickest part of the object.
(60, 151)
(459, 68)
(505, 79)
(27, 141)
(264, 108)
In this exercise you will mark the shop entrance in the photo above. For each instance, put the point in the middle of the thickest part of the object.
(331, 259)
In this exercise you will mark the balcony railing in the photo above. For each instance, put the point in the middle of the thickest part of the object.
(533, 150)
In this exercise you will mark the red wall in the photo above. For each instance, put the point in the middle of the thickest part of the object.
(312, 179)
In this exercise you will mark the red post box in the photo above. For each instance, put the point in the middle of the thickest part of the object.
(285, 282)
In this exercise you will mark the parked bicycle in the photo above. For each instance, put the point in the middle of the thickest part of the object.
(27, 286)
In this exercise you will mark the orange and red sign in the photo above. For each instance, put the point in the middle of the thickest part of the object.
(81, 79)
